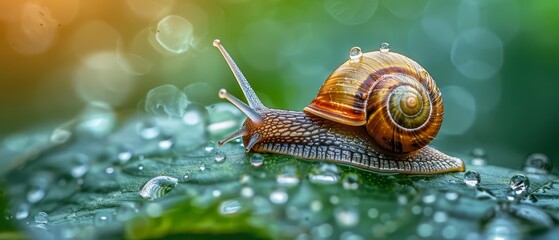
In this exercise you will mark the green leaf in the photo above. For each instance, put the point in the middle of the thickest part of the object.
(89, 187)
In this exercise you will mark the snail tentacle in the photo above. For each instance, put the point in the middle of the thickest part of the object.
(251, 113)
(253, 100)
(239, 133)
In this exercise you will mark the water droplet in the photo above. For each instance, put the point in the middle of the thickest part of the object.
(325, 173)
(247, 192)
(440, 217)
(203, 167)
(279, 197)
(384, 47)
(60, 135)
(256, 160)
(224, 118)
(22, 211)
(154, 210)
(158, 187)
(324, 231)
(452, 196)
(124, 154)
(334, 199)
(140, 167)
(346, 217)
(316, 205)
(449, 232)
(351, 181)
(41, 217)
(372, 213)
(97, 119)
(148, 129)
(502, 228)
(219, 156)
(193, 117)
(478, 153)
(38, 188)
(167, 141)
(287, 179)
(429, 198)
(109, 170)
(478, 162)
(537, 163)
(103, 219)
(210, 147)
(534, 215)
(229, 207)
(216, 193)
(355, 54)
(472, 178)
(416, 209)
(80, 165)
(174, 34)
(519, 184)
(71, 216)
(425, 230)
(347, 235)
(167, 101)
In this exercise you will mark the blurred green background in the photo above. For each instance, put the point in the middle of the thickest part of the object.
(495, 61)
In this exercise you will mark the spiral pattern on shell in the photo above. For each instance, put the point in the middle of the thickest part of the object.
(392, 95)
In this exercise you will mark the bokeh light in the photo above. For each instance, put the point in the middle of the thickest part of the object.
(174, 34)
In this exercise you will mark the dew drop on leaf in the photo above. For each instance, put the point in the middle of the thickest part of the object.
(256, 160)
(537, 163)
(350, 181)
(41, 217)
(157, 187)
(472, 178)
(148, 129)
(22, 211)
(219, 156)
(279, 197)
(519, 184)
(80, 165)
(229, 207)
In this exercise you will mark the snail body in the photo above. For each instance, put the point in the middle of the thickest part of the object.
(377, 111)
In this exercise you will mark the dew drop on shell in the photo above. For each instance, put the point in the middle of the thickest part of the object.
(384, 47)
(355, 54)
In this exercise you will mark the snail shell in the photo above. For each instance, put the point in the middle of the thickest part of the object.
(392, 95)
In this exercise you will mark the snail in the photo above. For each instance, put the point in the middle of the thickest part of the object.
(377, 112)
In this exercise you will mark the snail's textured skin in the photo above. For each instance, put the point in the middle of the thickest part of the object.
(301, 135)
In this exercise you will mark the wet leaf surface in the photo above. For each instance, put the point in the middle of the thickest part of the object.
(90, 188)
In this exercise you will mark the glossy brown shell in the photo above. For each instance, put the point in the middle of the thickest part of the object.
(371, 92)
